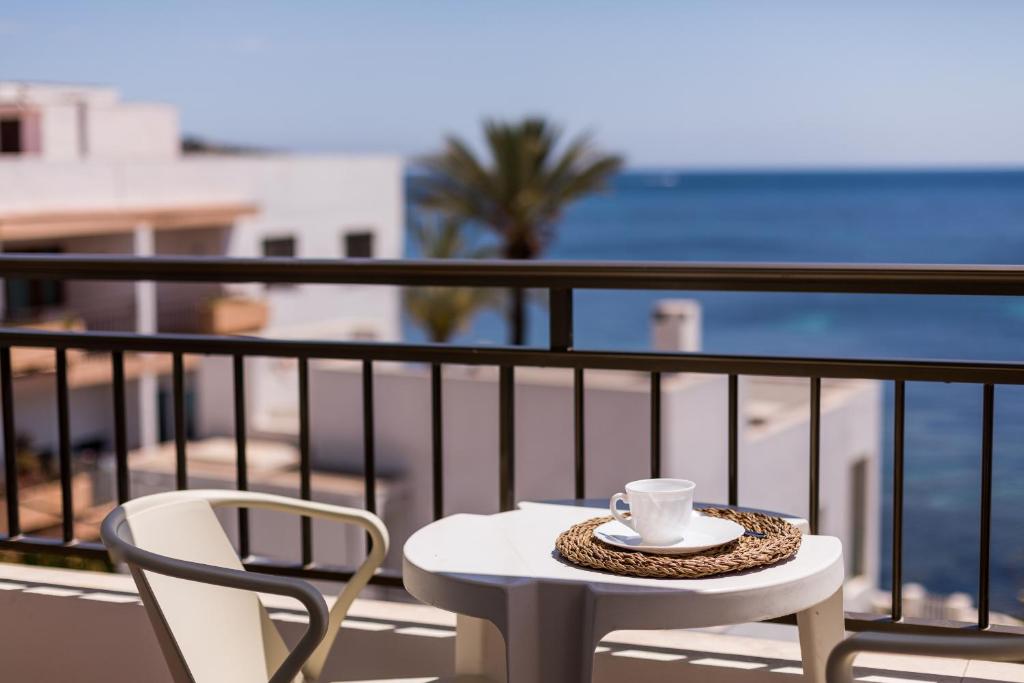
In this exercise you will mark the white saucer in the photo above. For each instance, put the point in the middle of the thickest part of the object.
(702, 533)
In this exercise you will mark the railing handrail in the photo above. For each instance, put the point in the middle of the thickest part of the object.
(980, 372)
(708, 276)
(560, 278)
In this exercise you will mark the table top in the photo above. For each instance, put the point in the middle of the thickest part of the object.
(464, 559)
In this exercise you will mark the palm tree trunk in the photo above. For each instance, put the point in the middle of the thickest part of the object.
(517, 317)
(518, 249)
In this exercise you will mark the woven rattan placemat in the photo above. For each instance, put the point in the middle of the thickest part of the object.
(780, 541)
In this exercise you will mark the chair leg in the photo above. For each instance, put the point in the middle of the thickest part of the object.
(821, 629)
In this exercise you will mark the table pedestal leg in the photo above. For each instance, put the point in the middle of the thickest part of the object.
(821, 629)
(547, 639)
(479, 649)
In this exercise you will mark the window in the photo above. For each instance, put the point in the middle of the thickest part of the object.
(27, 299)
(279, 246)
(165, 407)
(10, 136)
(858, 517)
(359, 244)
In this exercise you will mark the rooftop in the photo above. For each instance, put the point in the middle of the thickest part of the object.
(47, 92)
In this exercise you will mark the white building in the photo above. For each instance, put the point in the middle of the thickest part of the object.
(773, 438)
(83, 172)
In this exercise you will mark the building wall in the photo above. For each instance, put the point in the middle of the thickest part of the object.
(317, 200)
(543, 438)
(110, 305)
(90, 413)
(695, 426)
(131, 131)
(314, 199)
(91, 123)
(103, 305)
(59, 133)
(773, 463)
(179, 303)
(214, 387)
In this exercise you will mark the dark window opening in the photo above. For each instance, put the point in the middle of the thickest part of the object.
(359, 245)
(26, 299)
(165, 407)
(858, 517)
(10, 136)
(279, 247)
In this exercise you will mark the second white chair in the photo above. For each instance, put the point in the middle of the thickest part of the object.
(202, 603)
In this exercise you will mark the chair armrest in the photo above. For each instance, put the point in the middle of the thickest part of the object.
(975, 646)
(300, 590)
(307, 508)
(367, 520)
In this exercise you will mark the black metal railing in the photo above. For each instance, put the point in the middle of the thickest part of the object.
(560, 279)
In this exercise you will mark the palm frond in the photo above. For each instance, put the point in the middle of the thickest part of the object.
(444, 311)
(520, 190)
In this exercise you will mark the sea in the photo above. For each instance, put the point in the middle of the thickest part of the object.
(962, 217)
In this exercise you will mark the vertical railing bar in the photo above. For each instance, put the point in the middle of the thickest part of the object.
(899, 403)
(988, 420)
(733, 440)
(180, 435)
(655, 424)
(369, 459)
(579, 432)
(10, 445)
(560, 337)
(814, 503)
(437, 439)
(506, 438)
(120, 427)
(241, 456)
(560, 320)
(64, 448)
(305, 467)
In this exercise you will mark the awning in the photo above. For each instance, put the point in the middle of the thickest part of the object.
(63, 223)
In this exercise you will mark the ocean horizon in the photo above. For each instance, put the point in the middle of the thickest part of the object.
(929, 216)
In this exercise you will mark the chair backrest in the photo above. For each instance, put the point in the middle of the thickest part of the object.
(209, 634)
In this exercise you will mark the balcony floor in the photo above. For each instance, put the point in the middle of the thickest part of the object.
(60, 619)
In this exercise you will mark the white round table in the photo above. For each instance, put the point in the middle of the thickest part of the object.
(503, 568)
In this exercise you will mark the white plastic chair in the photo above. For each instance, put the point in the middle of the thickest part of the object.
(202, 603)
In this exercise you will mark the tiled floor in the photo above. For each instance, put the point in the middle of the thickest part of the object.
(379, 633)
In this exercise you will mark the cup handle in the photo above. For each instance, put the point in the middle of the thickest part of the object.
(619, 514)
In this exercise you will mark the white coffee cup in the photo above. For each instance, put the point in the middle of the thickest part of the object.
(659, 509)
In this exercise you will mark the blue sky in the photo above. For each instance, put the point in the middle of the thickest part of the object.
(733, 83)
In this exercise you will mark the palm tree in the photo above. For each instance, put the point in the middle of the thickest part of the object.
(443, 311)
(519, 192)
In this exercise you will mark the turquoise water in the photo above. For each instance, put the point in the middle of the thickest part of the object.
(934, 217)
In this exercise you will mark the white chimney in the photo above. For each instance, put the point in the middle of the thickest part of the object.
(677, 325)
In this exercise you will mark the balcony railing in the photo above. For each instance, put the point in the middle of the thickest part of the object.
(560, 279)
